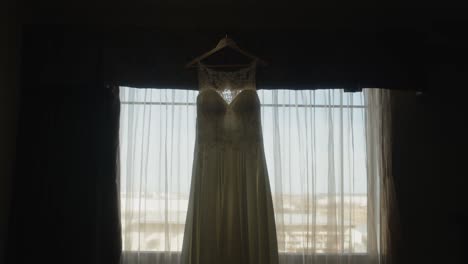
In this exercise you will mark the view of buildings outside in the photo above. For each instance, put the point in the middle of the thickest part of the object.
(159, 226)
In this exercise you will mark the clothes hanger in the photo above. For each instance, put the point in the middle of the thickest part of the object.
(222, 44)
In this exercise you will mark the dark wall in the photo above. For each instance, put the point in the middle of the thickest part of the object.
(297, 59)
(9, 68)
(360, 44)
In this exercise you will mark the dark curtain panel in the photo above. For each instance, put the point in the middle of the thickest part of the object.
(65, 198)
(65, 191)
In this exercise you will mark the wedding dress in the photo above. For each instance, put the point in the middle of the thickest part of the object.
(230, 215)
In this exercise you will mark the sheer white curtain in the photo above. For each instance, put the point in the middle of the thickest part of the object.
(326, 156)
(157, 135)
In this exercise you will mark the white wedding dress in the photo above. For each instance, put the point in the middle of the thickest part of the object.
(230, 215)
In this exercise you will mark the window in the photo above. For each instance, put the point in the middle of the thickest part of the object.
(315, 147)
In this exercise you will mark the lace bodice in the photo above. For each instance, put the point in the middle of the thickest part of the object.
(228, 108)
(227, 83)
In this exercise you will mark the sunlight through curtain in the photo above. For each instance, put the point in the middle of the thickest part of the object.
(326, 153)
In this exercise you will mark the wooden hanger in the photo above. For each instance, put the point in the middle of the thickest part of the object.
(224, 43)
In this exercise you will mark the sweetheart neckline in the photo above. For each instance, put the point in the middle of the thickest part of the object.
(228, 105)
